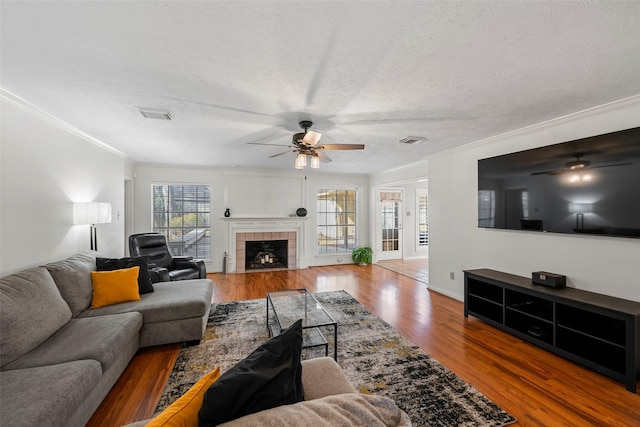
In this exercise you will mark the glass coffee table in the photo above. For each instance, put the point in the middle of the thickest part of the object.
(284, 308)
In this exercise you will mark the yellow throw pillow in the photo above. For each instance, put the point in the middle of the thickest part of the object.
(184, 411)
(113, 287)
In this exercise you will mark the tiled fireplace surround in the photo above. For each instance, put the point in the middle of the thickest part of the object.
(242, 238)
(241, 230)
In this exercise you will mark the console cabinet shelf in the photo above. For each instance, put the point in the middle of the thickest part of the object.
(597, 331)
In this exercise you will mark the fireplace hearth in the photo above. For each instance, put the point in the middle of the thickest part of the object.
(266, 254)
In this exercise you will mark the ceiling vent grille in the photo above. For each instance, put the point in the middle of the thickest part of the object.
(155, 113)
(412, 140)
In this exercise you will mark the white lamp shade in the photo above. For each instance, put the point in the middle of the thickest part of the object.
(580, 207)
(91, 213)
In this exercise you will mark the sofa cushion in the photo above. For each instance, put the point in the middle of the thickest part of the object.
(168, 302)
(270, 376)
(103, 339)
(31, 310)
(73, 279)
(338, 410)
(184, 411)
(47, 395)
(114, 287)
(144, 281)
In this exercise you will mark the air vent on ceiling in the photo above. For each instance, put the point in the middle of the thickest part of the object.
(412, 140)
(155, 113)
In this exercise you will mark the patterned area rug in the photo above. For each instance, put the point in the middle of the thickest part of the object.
(375, 358)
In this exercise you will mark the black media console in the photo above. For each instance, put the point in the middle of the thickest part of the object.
(598, 331)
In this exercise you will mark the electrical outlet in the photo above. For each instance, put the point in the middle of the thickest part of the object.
(452, 276)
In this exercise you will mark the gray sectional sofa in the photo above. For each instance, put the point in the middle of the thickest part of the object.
(59, 358)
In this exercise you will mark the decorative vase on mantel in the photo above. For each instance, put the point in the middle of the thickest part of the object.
(227, 213)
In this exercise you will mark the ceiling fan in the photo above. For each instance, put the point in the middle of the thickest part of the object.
(576, 166)
(306, 144)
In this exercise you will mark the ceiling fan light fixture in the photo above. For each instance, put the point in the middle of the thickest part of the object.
(315, 162)
(301, 161)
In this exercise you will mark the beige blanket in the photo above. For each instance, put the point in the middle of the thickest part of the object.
(338, 410)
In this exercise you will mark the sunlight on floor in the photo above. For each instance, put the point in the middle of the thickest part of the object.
(417, 269)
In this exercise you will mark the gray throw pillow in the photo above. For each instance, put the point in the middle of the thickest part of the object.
(73, 278)
(31, 310)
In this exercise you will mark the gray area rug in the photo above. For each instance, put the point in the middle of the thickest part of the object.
(375, 358)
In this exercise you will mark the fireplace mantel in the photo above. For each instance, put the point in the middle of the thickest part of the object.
(262, 217)
(264, 224)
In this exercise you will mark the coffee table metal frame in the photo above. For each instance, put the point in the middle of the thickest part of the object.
(284, 308)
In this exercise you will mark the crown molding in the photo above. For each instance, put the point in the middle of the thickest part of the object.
(618, 105)
(25, 105)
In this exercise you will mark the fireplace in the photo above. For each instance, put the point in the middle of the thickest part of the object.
(278, 250)
(266, 254)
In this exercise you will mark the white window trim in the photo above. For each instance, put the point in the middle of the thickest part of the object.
(357, 216)
(168, 183)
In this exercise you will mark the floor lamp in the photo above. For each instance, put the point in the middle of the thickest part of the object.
(92, 213)
(580, 209)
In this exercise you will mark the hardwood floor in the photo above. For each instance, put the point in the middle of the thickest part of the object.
(415, 268)
(533, 385)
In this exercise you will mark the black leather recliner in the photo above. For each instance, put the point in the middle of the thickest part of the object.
(164, 267)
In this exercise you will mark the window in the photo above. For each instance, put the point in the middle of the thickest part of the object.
(336, 221)
(422, 226)
(486, 208)
(183, 214)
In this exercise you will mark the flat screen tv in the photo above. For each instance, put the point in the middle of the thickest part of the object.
(585, 186)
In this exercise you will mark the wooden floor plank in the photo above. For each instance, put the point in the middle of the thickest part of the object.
(535, 386)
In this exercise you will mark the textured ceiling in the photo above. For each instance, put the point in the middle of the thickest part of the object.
(364, 72)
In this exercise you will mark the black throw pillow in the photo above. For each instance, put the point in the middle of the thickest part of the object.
(270, 376)
(110, 264)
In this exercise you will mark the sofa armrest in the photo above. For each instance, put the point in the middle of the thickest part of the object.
(322, 376)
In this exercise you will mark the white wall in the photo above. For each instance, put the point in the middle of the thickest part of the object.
(251, 193)
(604, 265)
(409, 173)
(44, 169)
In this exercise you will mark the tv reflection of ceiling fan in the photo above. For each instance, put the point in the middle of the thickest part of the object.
(306, 144)
(576, 166)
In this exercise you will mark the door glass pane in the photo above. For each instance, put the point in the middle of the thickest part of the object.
(390, 221)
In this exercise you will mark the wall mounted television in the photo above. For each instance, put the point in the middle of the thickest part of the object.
(586, 186)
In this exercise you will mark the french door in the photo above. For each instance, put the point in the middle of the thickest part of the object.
(389, 224)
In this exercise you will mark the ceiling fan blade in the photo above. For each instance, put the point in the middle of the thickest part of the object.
(280, 154)
(311, 138)
(561, 171)
(342, 147)
(323, 157)
(551, 172)
(609, 166)
(265, 143)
